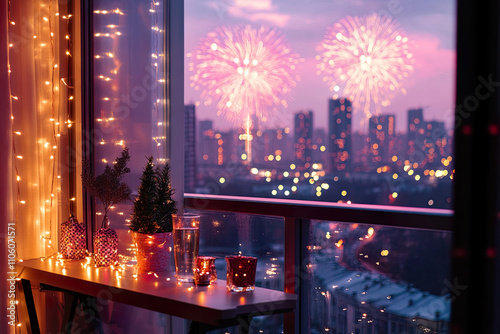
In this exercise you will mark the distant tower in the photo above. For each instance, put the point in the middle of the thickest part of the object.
(303, 138)
(339, 119)
(381, 135)
(436, 144)
(207, 144)
(189, 148)
(416, 135)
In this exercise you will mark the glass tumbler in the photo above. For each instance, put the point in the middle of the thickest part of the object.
(186, 231)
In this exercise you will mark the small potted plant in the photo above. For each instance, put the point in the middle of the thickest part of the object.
(151, 222)
(110, 190)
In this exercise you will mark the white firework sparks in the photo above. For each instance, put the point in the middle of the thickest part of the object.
(246, 71)
(368, 59)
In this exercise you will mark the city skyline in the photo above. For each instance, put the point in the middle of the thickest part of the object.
(221, 126)
(381, 167)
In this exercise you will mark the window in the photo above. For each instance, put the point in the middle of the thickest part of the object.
(324, 154)
(129, 93)
(349, 103)
(124, 87)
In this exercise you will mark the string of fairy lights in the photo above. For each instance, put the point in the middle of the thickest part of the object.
(48, 120)
(109, 76)
(37, 169)
(13, 99)
(48, 37)
(158, 98)
(111, 92)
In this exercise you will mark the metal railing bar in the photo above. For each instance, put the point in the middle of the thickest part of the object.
(394, 216)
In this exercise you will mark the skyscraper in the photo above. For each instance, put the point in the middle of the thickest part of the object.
(381, 135)
(189, 148)
(339, 119)
(303, 138)
(436, 143)
(416, 135)
(207, 144)
(272, 147)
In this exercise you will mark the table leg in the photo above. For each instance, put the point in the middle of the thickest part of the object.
(244, 324)
(70, 304)
(200, 328)
(27, 307)
(289, 323)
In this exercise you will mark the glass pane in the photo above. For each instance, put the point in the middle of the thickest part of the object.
(374, 279)
(129, 93)
(321, 100)
(224, 234)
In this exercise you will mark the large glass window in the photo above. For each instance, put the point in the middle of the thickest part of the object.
(129, 93)
(337, 102)
(374, 279)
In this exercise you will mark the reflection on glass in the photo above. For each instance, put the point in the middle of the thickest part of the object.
(129, 91)
(325, 105)
(223, 234)
(373, 279)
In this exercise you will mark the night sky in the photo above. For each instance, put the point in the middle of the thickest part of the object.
(429, 26)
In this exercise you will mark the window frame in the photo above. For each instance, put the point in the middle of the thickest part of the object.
(296, 214)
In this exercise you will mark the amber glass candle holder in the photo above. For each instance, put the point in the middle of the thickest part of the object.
(241, 273)
(205, 272)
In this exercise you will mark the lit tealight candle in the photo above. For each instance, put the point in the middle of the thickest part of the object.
(204, 272)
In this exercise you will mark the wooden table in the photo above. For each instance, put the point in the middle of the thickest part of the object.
(208, 307)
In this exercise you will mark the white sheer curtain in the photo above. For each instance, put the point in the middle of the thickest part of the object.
(6, 195)
(39, 118)
(35, 101)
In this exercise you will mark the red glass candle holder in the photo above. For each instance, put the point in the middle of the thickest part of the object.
(205, 272)
(241, 273)
(73, 239)
(105, 247)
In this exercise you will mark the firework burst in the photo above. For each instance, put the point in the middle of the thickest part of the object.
(245, 71)
(368, 59)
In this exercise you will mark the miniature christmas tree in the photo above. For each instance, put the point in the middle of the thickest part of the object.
(154, 206)
(143, 218)
(108, 186)
(165, 205)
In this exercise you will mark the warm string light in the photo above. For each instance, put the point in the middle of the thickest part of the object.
(45, 28)
(13, 100)
(15, 133)
(157, 115)
(53, 89)
(109, 76)
(69, 101)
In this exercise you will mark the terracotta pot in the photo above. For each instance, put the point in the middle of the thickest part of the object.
(153, 251)
(105, 247)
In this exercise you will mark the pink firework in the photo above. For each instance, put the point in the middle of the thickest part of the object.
(367, 59)
(245, 71)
